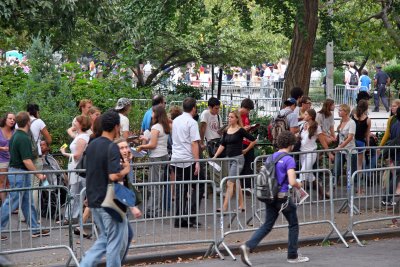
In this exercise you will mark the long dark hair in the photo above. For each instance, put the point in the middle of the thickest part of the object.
(312, 125)
(326, 107)
(362, 107)
(160, 116)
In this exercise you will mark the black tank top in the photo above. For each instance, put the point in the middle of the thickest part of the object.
(361, 128)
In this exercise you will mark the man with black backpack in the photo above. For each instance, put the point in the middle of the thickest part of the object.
(351, 79)
(285, 176)
(286, 120)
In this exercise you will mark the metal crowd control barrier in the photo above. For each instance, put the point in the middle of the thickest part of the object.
(319, 159)
(175, 212)
(318, 209)
(345, 94)
(378, 204)
(171, 201)
(48, 235)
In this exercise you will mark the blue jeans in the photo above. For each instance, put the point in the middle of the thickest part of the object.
(272, 213)
(112, 241)
(340, 159)
(13, 199)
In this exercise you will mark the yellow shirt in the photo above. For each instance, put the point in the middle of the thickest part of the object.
(386, 136)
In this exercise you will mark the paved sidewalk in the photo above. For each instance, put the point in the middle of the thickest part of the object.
(378, 252)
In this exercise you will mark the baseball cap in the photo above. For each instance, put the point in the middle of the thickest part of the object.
(378, 66)
(290, 101)
(122, 102)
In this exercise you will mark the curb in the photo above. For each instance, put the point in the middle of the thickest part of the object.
(269, 246)
(194, 253)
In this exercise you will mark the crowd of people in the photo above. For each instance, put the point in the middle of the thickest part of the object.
(180, 136)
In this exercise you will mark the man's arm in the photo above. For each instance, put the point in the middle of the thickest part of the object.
(46, 135)
(195, 153)
(31, 167)
(125, 170)
(203, 127)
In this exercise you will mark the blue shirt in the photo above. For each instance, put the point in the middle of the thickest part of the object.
(365, 82)
(147, 120)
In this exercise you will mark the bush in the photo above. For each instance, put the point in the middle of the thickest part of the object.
(394, 73)
(58, 94)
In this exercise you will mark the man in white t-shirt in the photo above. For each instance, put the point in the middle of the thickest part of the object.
(210, 123)
(38, 129)
(123, 107)
(185, 146)
(351, 79)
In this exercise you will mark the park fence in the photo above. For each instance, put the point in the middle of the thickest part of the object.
(190, 210)
(45, 211)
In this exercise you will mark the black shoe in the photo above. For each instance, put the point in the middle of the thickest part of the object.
(387, 110)
(181, 223)
(375, 110)
(78, 232)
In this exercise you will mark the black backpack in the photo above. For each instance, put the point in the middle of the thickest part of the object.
(353, 78)
(267, 185)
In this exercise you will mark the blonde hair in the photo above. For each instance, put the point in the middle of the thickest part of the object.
(397, 102)
(345, 108)
(238, 117)
(93, 110)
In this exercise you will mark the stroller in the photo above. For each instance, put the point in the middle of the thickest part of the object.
(52, 200)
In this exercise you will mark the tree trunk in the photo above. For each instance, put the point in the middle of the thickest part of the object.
(298, 72)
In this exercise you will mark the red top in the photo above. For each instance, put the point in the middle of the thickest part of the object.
(246, 122)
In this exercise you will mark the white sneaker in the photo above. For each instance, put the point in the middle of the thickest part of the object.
(244, 252)
(299, 259)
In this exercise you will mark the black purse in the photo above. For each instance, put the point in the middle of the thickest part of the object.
(82, 165)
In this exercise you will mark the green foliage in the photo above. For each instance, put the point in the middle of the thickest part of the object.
(58, 96)
(105, 92)
(20, 20)
(393, 71)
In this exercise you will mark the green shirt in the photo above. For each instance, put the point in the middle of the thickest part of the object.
(20, 149)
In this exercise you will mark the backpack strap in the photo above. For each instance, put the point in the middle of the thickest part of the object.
(276, 161)
(280, 157)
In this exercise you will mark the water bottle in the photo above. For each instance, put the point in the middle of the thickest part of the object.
(45, 183)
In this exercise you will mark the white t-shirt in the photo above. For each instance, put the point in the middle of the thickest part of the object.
(292, 117)
(161, 148)
(213, 124)
(308, 144)
(85, 136)
(325, 122)
(124, 123)
(37, 126)
(349, 128)
(185, 130)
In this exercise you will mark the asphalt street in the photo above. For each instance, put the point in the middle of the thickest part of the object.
(378, 252)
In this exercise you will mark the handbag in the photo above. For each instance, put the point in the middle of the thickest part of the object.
(138, 194)
(81, 165)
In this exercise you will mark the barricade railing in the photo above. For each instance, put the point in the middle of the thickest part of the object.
(319, 159)
(160, 171)
(42, 232)
(176, 224)
(175, 211)
(379, 202)
(345, 94)
(316, 210)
